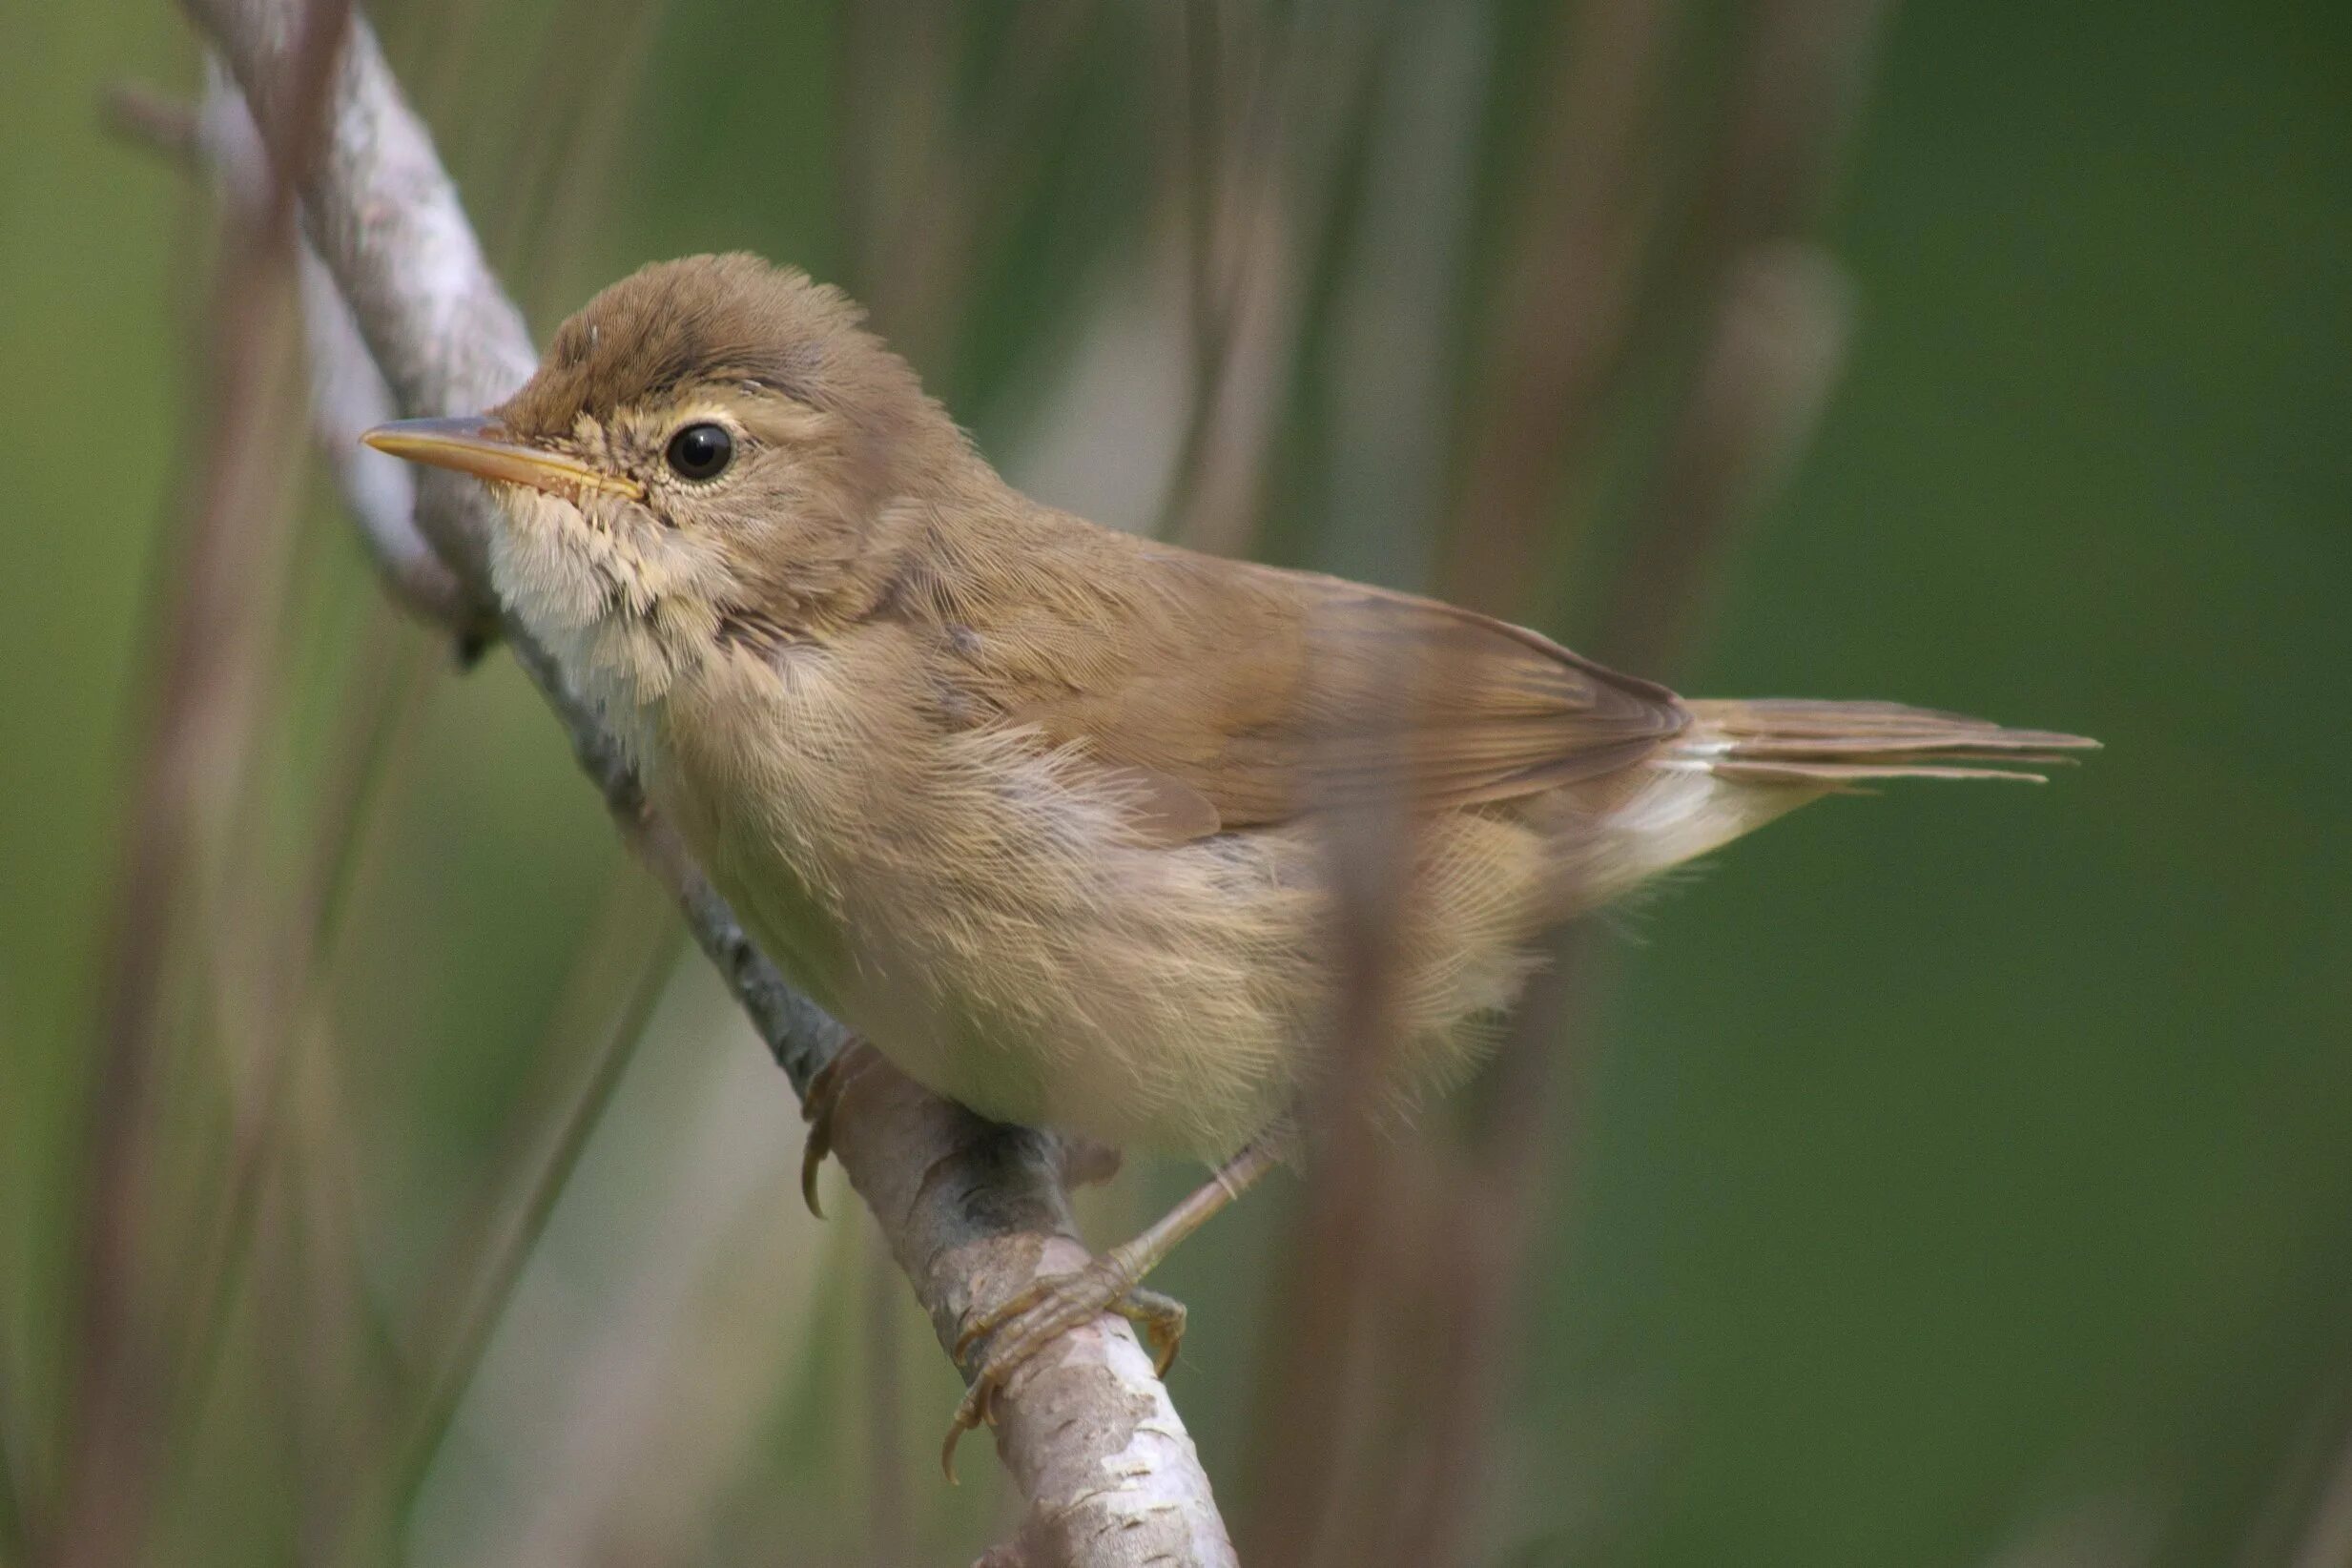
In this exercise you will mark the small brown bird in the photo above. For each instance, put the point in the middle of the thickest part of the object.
(1046, 811)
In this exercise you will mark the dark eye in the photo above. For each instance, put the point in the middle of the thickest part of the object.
(701, 451)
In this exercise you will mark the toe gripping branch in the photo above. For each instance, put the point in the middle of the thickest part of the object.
(827, 1088)
(1024, 1324)
(1016, 1328)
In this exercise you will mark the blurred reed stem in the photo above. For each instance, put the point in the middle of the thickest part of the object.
(1411, 1252)
(500, 1255)
(202, 662)
(16, 1539)
(378, 724)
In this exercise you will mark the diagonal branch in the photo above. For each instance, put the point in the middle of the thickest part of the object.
(972, 1211)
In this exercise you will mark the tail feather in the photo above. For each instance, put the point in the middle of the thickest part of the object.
(1833, 744)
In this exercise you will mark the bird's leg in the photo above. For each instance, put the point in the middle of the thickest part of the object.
(1029, 1320)
(830, 1082)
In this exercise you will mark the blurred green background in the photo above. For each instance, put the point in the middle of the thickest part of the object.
(1958, 1177)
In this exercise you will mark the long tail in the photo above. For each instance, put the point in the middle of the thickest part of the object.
(1742, 763)
(1834, 744)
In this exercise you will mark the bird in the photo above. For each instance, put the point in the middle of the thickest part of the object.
(1071, 825)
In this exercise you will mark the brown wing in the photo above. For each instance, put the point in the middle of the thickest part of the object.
(1266, 693)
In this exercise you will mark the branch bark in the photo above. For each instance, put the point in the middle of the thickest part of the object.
(972, 1211)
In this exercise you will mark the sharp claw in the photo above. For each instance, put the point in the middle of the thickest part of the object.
(825, 1090)
(1161, 1320)
(977, 1409)
(812, 1152)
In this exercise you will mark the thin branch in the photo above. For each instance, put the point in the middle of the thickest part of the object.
(349, 396)
(972, 1211)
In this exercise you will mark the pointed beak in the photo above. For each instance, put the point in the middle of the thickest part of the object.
(477, 447)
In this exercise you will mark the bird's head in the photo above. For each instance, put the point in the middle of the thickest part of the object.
(706, 438)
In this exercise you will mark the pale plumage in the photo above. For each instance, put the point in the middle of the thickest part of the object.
(1045, 811)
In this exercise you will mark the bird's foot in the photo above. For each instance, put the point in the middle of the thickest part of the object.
(1020, 1327)
(1025, 1323)
(826, 1089)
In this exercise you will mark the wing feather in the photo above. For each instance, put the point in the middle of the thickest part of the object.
(1267, 694)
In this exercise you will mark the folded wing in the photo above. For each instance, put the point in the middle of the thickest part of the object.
(1233, 695)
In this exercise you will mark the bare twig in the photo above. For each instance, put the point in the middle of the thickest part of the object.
(972, 1211)
(347, 395)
